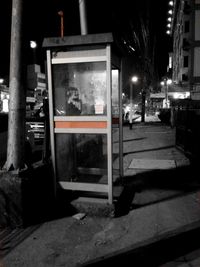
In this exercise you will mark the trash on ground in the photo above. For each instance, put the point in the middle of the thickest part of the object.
(79, 216)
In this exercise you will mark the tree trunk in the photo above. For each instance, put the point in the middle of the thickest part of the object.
(143, 106)
(16, 119)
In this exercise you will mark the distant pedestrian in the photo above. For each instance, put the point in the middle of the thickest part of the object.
(127, 115)
(130, 122)
(130, 125)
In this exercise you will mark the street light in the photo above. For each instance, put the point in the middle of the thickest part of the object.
(33, 46)
(134, 79)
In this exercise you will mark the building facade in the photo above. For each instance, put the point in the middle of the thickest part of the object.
(36, 88)
(185, 30)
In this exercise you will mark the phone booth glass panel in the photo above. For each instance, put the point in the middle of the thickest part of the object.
(115, 123)
(80, 89)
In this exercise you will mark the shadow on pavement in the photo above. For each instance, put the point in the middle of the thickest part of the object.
(39, 201)
(182, 180)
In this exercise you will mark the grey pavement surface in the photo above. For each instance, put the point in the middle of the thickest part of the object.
(162, 215)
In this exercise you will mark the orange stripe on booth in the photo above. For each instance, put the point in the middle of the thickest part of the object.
(81, 124)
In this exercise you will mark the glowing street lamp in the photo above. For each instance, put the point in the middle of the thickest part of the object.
(33, 44)
(134, 79)
(169, 81)
(162, 83)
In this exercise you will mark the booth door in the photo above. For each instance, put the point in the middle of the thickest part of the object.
(80, 99)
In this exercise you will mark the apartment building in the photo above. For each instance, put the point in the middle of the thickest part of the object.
(185, 31)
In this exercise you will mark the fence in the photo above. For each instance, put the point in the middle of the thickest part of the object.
(187, 123)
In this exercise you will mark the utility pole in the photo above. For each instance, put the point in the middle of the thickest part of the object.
(83, 17)
(17, 105)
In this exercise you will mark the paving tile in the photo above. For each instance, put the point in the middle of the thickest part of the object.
(152, 164)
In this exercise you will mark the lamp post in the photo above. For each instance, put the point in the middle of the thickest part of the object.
(134, 79)
(166, 82)
(169, 81)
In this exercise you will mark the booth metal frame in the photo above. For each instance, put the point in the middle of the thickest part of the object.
(97, 48)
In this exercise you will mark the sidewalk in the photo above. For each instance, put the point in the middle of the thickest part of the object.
(157, 211)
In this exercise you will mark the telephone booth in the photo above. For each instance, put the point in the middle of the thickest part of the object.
(84, 86)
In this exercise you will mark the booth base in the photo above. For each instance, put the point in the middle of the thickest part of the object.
(94, 204)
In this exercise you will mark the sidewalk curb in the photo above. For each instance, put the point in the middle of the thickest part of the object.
(138, 250)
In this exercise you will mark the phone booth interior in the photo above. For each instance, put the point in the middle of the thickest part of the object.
(84, 83)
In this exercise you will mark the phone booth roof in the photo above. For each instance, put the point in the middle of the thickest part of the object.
(78, 40)
(89, 41)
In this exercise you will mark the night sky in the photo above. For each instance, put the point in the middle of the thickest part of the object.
(42, 20)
